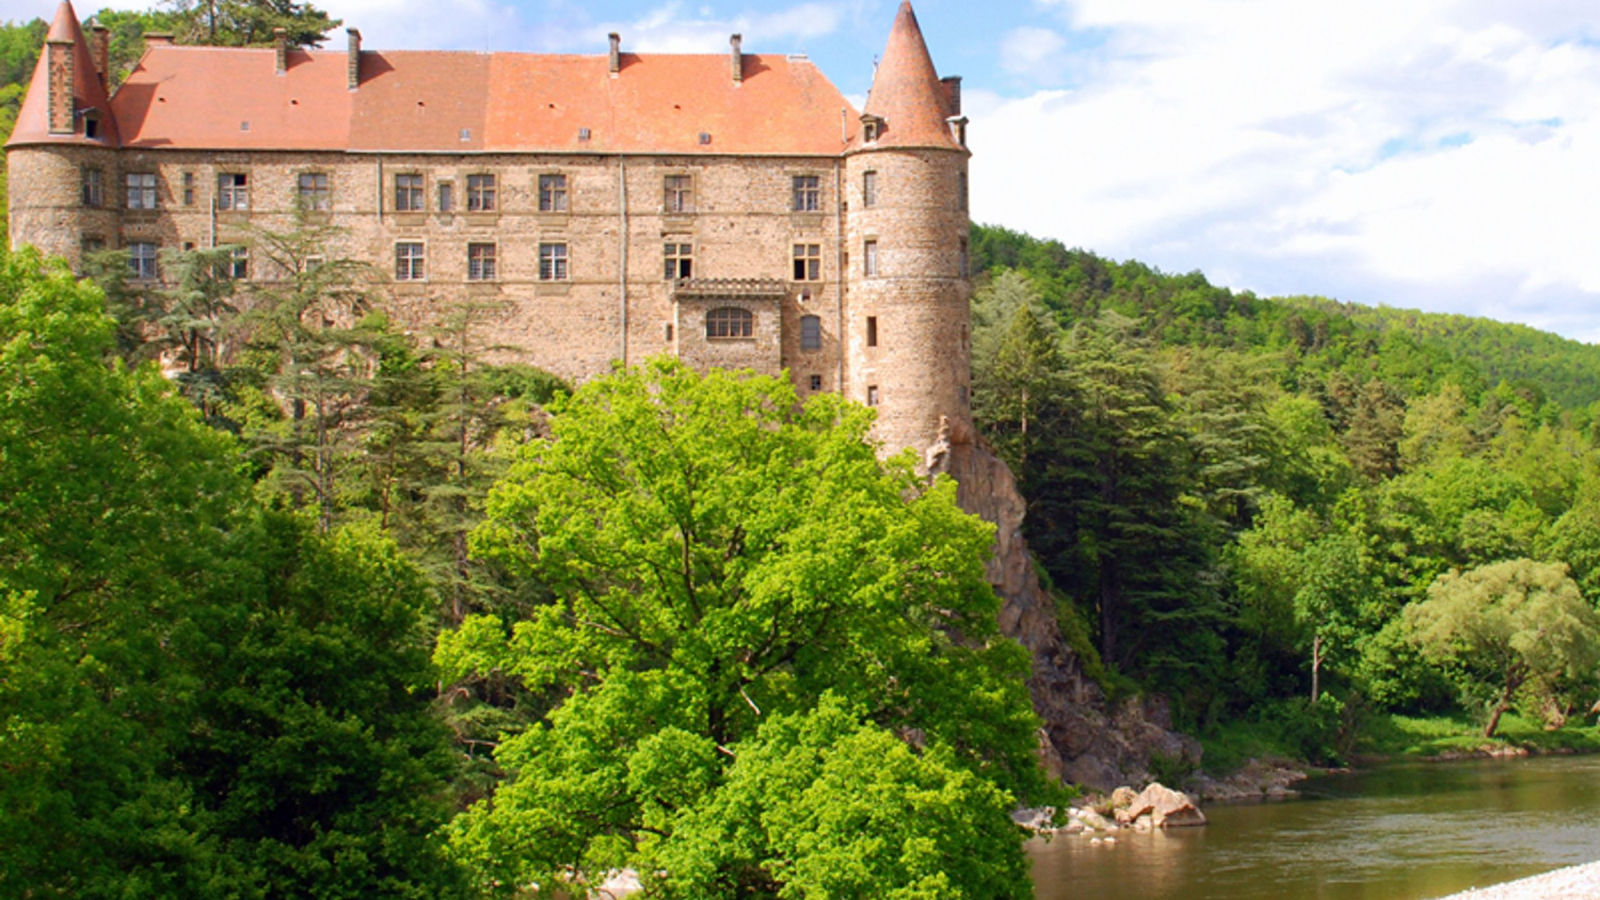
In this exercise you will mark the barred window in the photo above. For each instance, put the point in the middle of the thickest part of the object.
(552, 193)
(807, 262)
(480, 193)
(869, 258)
(679, 260)
(315, 194)
(811, 333)
(141, 190)
(447, 196)
(965, 263)
(961, 190)
(233, 191)
(872, 395)
(142, 260)
(408, 262)
(480, 262)
(730, 322)
(94, 188)
(408, 193)
(807, 193)
(869, 189)
(239, 265)
(552, 262)
(678, 194)
(816, 382)
(188, 189)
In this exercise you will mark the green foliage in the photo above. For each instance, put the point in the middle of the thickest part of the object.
(1504, 626)
(721, 557)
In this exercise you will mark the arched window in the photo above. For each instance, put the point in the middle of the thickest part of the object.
(730, 322)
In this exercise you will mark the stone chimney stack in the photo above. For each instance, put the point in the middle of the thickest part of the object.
(62, 79)
(615, 65)
(353, 68)
(280, 47)
(158, 39)
(737, 58)
(952, 87)
(102, 53)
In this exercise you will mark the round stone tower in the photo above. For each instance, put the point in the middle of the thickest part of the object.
(907, 303)
(61, 157)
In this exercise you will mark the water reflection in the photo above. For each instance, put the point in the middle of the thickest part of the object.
(1403, 832)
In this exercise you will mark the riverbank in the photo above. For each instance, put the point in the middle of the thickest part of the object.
(1573, 883)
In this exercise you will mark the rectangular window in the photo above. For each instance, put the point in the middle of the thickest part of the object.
(964, 265)
(188, 189)
(480, 193)
(872, 331)
(94, 188)
(447, 197)
(480, 262)
(961, 190)
(872, 395)
(553, 193)
(807, 262)
(314, 192)
(679, 260)
(816, 382)
(677, 194)
(810, 332)
(141, 190)
(142, 261)
(552, 262)
(239, 265)
(807, 193)
(233, 191)
(408, 193)
(869, 258)
(869, 189)
(408, 262)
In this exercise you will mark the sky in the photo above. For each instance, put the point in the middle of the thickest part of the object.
(1433, 154)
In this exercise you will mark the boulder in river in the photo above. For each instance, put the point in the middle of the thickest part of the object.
(1166, 807)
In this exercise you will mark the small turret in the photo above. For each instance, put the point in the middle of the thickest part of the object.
(67, 100)
(906, 310)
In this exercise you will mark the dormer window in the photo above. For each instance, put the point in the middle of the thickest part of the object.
(872, 127)
(91, 125)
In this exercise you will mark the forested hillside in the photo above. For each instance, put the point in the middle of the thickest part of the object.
(1243, 501)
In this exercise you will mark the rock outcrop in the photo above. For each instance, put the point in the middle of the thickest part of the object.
(1165, 807)
(1084, 739)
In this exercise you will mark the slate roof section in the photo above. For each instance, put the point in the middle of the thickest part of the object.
(907, 93)
(33, 119)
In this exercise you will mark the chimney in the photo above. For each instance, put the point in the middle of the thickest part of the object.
(280, 46)
(61, 105)
(736, 57)
(158, 38)
(952, 89)
(616, 53)
(353, 75)
(102, 53)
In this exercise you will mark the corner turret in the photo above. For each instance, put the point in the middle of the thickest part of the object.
(907, 308)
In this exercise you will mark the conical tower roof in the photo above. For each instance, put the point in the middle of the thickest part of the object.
(907, 93)
(33, 119)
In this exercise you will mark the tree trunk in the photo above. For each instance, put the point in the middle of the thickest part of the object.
(1316, 666)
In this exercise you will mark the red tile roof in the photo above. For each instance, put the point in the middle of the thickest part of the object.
(33, 119)
(216, 98)
(906, 92)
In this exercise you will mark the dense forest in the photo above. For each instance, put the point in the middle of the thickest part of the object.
(296, 603)
(1276, 507)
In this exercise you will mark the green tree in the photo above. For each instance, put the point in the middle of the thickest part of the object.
(1503, 625)
(721, 557)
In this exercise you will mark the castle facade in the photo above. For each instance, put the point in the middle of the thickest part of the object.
(735, 211)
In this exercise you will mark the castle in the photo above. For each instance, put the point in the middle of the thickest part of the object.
(734, 211)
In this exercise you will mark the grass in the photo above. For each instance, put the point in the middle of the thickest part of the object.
(1231, 744)
(1421, 737)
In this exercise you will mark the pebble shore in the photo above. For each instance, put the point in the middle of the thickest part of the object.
(1575, 883)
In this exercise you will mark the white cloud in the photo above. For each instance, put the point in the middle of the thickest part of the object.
(1434, 151)
(1033, 52)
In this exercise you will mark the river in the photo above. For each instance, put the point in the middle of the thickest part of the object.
(1397, 832)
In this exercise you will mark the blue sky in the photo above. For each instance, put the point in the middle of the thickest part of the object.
(1439, 154)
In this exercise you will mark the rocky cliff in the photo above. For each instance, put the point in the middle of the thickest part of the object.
(1084, 739)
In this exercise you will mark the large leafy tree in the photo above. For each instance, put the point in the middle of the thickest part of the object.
(723, 557)
(1506, 625)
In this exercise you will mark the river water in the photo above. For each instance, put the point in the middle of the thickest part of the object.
(1399, 832)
